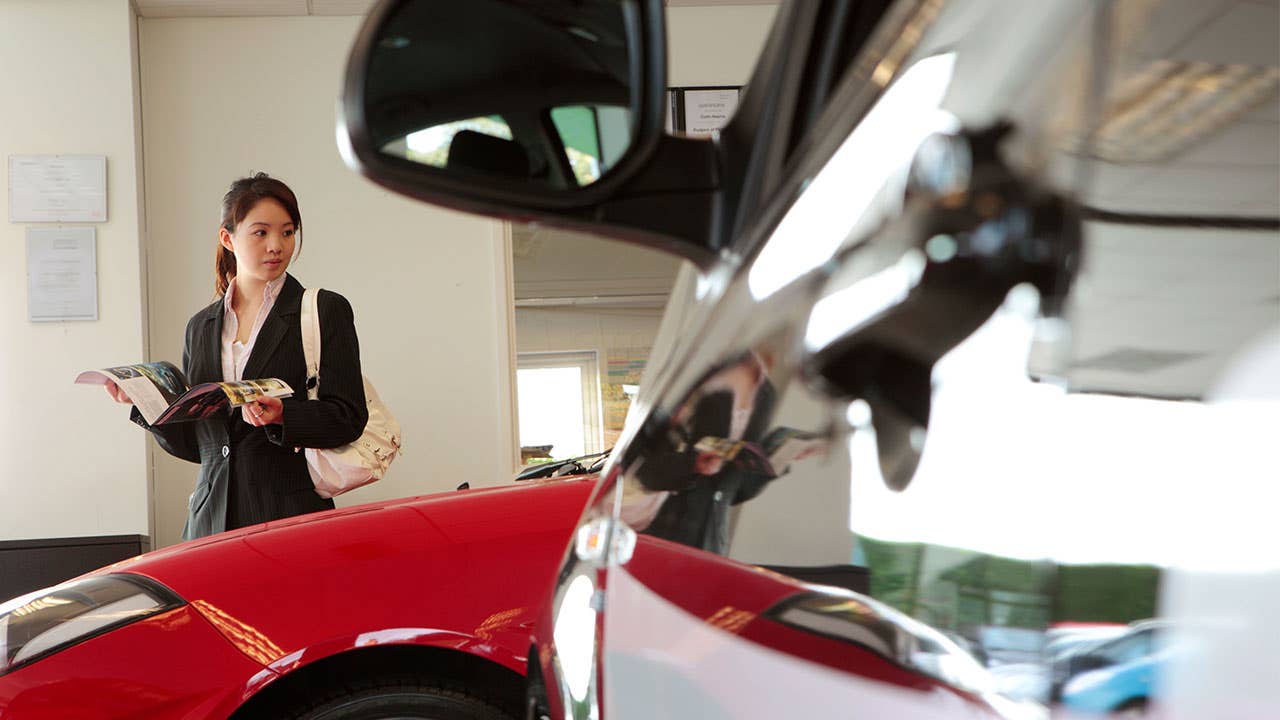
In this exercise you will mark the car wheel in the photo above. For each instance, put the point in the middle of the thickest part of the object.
(392, 699)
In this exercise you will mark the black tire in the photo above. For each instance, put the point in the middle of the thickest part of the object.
(399, 699)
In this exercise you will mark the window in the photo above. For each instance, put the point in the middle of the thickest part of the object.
(559, 396)
(1127, 649)
(594, 137)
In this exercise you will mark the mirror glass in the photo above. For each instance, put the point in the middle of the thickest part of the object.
(538, 92)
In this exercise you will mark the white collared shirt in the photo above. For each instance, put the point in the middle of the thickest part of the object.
(235, 354)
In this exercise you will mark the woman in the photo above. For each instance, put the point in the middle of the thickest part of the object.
(251, 466)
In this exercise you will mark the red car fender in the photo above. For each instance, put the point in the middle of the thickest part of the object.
(466, 571)
(167, 667)
(425, 637)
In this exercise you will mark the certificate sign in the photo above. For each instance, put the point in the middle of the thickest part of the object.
(708, 110)
(57, 188)
(62, 274)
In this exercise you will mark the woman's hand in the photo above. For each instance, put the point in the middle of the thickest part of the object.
(117, 394)
(706, 463)
(264, 411)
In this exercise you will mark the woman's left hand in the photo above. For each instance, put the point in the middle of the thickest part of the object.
(264, 411)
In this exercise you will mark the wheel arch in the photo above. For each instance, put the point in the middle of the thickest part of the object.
(448, 666)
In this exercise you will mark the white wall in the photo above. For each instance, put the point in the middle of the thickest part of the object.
(226, 96)
(715, 45)
(73, 464)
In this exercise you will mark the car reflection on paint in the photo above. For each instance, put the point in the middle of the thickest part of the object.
(1119, 675)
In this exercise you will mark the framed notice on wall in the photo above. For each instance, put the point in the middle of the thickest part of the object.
(62, 274)
(57, 188)
(701, 110)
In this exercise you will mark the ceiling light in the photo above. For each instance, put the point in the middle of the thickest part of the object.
(1168, 106)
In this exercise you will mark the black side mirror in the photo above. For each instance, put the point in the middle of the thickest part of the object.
(490, 105)
(548, 110)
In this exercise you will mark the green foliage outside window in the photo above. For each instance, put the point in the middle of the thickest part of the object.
(954, 589)
(579, 131)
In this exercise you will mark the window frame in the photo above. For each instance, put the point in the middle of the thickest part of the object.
(588, 361)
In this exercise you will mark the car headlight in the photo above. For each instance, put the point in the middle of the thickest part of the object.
(41, 623)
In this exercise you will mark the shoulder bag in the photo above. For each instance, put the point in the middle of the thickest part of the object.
(342, 469)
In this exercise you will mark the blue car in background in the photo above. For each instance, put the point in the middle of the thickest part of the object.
(1124, 673)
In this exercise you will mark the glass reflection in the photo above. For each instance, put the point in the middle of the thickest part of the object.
(718, 451)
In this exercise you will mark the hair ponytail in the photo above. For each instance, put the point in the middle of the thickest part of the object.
(243, 195)
(224, 268)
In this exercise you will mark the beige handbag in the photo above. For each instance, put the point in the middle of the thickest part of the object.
(356, 464)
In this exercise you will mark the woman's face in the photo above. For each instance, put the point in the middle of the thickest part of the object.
(263, 242)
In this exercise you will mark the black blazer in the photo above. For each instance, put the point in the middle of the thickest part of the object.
(250, 475)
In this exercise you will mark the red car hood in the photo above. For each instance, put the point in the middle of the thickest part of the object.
(542, 496)
(462, 569)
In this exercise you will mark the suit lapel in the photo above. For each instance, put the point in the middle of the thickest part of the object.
(274, 327)
(206, 355)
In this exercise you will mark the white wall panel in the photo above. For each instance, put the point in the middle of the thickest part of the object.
(73, 465)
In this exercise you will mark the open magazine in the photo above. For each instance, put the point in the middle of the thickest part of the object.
(773, 456)
(162, 394)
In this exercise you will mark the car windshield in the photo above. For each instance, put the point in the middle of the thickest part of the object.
(1129, 648)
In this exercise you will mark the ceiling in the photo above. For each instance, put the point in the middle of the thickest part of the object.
(1162, 311)
(276, 8)
(559, 268)
(1233, 171)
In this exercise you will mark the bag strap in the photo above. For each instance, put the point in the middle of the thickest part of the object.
(310, 322)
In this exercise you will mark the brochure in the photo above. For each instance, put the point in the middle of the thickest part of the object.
(773, 456)
(162, 394)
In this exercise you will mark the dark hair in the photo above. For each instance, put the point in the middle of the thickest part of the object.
(242, 197)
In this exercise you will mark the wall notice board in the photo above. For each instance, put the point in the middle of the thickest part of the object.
(62, 273)
(57, 188)
(701, 110)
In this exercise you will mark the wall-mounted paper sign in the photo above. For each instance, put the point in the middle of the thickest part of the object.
(701, 110)
(62, 274)
(57, 188)
(706, 110)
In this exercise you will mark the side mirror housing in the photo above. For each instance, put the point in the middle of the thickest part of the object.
(549, 111)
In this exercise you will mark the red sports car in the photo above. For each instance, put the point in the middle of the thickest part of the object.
(413, 608)
(416, 608)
